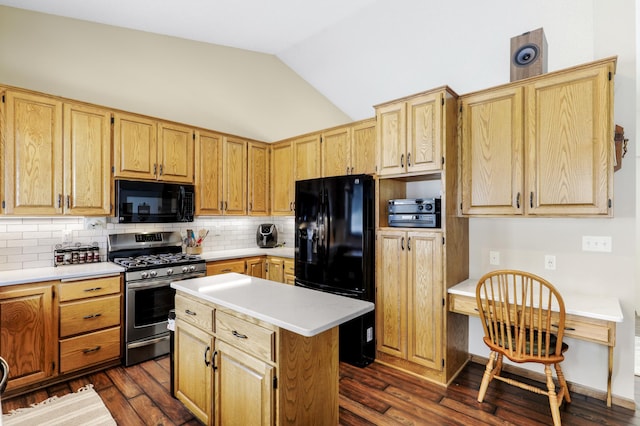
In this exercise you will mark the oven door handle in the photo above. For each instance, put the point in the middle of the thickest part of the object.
(148, 342)
(162, 282)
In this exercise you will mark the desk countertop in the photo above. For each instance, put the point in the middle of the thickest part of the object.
(300, 310)
(603, 308)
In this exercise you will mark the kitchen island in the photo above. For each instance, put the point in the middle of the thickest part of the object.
(253, 351)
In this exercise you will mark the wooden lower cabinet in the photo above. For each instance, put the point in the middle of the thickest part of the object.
(245, 384)
(193, 377)
(45, 338)
(90, 317)
(409, 301)
(249, 372)
(281, 269)
(226, 266)
(256, 267)
(28, 333)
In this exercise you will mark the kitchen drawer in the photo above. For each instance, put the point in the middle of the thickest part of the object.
(289, 267)
(194, 312)
(89, 315)
(224, 266)
(89, 349)
(245, 335)
(575, 326)
(74, 290)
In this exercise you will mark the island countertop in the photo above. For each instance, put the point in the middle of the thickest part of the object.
(299, 310)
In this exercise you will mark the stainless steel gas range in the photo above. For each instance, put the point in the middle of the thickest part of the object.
(152, 260)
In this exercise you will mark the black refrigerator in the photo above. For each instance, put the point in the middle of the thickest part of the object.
(335, 251)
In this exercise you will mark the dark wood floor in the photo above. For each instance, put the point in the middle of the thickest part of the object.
(376, 395)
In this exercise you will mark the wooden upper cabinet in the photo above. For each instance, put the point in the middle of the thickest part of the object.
(282, 180)
(307, 157)
(87, 160)
(336, 152)
(363, 147)
(147, 149)
(234, 180)
(32, 154)
(208, 171)
(135, 147)
(349, 149)
(569, 142)
(258, 178)
(541, 146)
(410, 133)
(493, 152)
(175, 153)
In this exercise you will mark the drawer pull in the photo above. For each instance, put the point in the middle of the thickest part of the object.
(88, 351)
(565, 329)
(93, 289)
(91, 316)
(190, 312)
(213, 360)
(238, 335)
(226, 270)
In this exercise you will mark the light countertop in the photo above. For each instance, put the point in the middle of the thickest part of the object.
(67, 272)
(300, 310)
(248, 252)
(604, 308)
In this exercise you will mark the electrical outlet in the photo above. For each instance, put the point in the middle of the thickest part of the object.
(593, 243)
(67, 236)
(550, 262)
(494, 257)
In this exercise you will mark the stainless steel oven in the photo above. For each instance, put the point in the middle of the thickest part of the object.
(152, 261)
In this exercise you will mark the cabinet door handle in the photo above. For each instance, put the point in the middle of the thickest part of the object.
(155, 169)
(88, 351)
(518, 200)
(189, 312)
(402, 243)
(408, 159)
(409, 243)
(161, 168)
(250, 206)
(238, 335)
(226, 206)
(206, 351)
(351, 170)
(531, 199)
(59, 200)
(213, 360)
(402, 160)
(68, 201)
(91, 316)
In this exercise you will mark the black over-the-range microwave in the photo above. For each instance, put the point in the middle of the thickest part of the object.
(153, 202)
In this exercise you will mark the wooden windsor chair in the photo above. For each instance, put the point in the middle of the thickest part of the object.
(523, 318)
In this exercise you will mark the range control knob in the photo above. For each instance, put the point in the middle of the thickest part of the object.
(185, 269)
(144, 275)
(169, 271)
(153, 273)
(192, 268)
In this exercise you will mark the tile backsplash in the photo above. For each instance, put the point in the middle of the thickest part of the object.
(29, 242)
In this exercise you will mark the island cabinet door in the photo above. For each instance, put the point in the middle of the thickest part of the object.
(193, 370)
(244, 388)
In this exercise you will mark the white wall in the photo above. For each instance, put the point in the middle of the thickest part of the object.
(230, 90)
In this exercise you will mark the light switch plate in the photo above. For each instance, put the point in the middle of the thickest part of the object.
(494, 258)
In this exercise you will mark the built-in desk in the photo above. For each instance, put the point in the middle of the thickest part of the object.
(588, 318)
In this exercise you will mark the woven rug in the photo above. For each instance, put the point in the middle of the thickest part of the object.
(81, 408)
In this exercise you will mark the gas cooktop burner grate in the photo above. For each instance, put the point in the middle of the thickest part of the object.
(162, 259)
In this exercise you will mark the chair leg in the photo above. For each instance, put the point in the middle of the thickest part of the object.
(563, 383)
(487, 376)
(553, 398)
